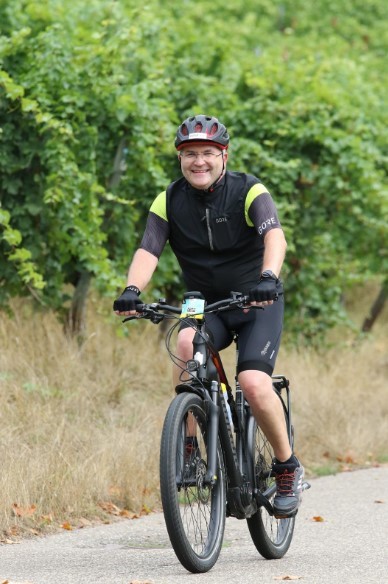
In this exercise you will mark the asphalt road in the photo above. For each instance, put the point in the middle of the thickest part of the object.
(349, 546)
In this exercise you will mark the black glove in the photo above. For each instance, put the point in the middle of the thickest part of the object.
(268, 288)
(129, 300)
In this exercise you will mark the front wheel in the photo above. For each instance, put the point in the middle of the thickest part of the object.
(194, 511)
(272, 537)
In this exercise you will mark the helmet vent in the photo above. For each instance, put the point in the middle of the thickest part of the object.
(213, 129)
(198, 127)
(184, 130)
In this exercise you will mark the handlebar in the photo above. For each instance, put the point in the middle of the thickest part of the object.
(153, 311)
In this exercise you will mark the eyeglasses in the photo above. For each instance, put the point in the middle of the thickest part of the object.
(189, 155)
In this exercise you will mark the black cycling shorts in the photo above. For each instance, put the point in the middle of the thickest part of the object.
(258, 331)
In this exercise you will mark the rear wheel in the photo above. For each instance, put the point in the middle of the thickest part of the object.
(272, 537)
(194, 511)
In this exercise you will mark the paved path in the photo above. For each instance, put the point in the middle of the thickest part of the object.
(349, 547)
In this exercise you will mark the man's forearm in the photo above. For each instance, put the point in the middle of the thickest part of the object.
(274, 251)
(141, 269)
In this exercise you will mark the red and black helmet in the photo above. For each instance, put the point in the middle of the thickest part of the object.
(200, 129)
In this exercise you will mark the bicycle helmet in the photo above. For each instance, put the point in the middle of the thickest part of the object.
(200, 129)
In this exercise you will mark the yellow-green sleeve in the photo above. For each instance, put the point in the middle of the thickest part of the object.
(255, 191)
(159, 206)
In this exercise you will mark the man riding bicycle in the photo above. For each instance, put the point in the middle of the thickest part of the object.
(224, 230)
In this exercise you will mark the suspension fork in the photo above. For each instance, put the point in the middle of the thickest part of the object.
(206, 370)
(213, 412)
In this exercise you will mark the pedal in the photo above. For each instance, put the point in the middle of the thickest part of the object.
(306, 486)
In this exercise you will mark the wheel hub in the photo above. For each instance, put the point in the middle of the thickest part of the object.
(203, 490)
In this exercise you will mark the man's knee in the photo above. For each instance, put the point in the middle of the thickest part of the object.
(185, 343)
(255, 384)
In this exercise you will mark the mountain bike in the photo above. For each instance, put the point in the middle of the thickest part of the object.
(215, 462)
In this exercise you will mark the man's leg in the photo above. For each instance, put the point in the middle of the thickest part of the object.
(267, 410)
(184, 351)
(269, 415)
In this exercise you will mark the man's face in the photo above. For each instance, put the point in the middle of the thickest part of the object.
(202, 165)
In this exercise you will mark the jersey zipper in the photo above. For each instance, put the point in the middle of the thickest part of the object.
(209, 231)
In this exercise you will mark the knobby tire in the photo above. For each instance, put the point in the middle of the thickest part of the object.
(194, 512)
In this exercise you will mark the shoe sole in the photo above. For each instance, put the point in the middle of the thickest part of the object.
(286, 515)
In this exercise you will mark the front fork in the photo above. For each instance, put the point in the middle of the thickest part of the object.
(205, 369)
(219, 427)
(212, 439)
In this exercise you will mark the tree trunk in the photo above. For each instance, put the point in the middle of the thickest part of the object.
(118, 165)
(76, 317)
(75, 323)
(376, 308)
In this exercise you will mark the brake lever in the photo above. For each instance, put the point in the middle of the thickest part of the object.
(134, 317)
(153, 316)
(139, 314)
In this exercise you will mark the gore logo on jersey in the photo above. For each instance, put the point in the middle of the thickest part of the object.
(266, 224)
(221, 219)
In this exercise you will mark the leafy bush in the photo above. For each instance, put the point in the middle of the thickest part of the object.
(90, 97)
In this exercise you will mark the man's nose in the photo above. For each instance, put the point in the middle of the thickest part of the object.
(199, 159)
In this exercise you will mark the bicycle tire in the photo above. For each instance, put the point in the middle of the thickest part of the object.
(272, 537)
(194, 513)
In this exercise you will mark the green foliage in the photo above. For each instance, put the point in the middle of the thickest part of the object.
(19, 260)
(90, 97)
(320, 153)
(74, 97)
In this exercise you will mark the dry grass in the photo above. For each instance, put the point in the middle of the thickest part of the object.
(340, 405)
(80, 427)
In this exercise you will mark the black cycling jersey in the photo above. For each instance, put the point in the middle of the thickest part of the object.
(217, 237)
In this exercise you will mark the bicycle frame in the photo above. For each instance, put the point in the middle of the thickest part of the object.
(208, 374)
